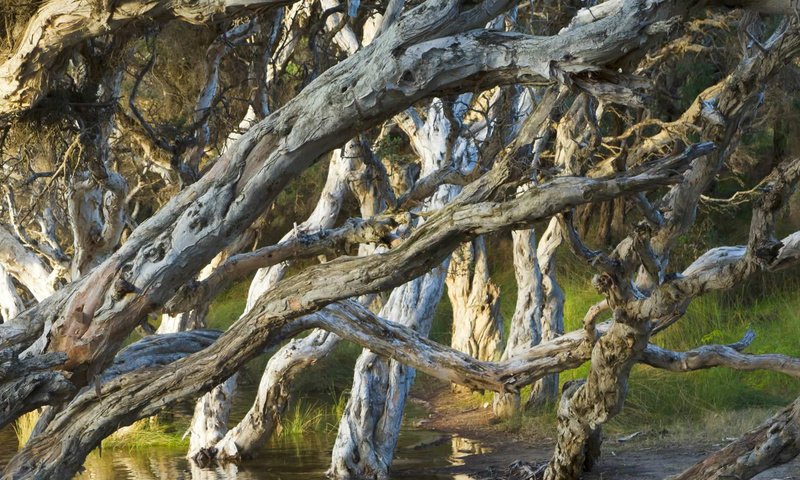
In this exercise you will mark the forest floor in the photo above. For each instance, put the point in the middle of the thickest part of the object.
(495, 445)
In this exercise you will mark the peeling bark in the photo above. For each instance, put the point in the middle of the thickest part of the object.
(579, 417)
(600, 398)
(552, 319)
(200, 371)
(370, 425)
(477, 323)
(156, 257)
(210, 421)
(420, 54)
(272, 399)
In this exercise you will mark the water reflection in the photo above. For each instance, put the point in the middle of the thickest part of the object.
(419, 454)
(464, 446)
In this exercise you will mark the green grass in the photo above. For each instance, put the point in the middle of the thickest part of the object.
(656, 395)
(303, 418)
(228, 306)
(320, 415)
(145, 433)
(339, 404)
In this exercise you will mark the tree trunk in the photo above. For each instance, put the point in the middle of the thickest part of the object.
(552, 323)
(289, 308)
(581, 414)
(573, 133)
(525, 331)
(210, 421)
(370, 425)
(194, 318)
(203, 219)
(272, 398)
(477, 323)
(272, 394)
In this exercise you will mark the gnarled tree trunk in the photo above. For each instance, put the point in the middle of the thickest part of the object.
(370, 425)
(552, 319)
(589, 406)
(477, 322)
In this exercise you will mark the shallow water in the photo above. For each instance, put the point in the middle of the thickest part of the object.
(285, 458)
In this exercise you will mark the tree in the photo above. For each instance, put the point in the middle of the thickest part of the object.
(513, 126)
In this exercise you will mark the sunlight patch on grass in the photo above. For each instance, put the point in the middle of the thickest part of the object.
(147, 432)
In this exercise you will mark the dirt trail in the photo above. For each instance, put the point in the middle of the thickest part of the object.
(640, 458)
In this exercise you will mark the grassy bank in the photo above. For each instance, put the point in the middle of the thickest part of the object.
(712, 402)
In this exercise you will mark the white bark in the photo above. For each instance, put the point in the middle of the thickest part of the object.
(552, 319)
(195, 318)
(10, 303)
(571, 134)
(94, 317)
(323, 217)
(282, 311)
(526, 329)
(97, 202)
(272, 398)
(210, 421)
(344, 36)
(173, 245)
(24, 266)
(369, 428)
(526, 324)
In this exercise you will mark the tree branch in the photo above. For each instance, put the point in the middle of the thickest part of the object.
(730, 356)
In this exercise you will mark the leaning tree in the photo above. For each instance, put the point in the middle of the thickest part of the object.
(149, 151)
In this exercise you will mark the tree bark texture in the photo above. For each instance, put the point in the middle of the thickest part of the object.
(477, 323)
